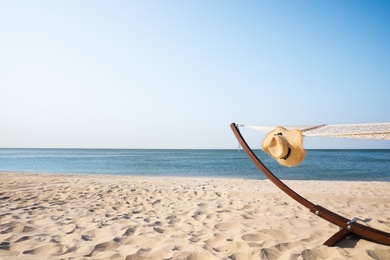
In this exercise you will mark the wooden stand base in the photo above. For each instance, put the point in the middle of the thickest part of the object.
(337, 237)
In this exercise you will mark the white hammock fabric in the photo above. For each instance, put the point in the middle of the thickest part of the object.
(377, 131)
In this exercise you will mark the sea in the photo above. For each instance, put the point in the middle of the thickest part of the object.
(338, 165)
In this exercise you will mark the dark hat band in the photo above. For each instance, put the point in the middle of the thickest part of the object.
(287, 155)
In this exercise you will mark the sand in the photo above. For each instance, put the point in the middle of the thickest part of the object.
(52, 216)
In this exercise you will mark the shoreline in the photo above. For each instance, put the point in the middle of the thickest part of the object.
(57, 216)
(114, 175)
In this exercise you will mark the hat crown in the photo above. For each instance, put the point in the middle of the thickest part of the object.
(278, 146)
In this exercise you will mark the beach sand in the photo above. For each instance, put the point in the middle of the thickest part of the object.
(52, 216)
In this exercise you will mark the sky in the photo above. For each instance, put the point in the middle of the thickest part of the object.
(174, 74)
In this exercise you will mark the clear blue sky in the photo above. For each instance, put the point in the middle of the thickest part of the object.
(175, 74)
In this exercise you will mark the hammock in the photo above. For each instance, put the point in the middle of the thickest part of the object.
(347, 226)
(378, 131)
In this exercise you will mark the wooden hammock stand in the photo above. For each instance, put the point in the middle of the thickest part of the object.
(347, 227)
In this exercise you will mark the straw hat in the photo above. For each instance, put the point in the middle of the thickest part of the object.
(285, 146)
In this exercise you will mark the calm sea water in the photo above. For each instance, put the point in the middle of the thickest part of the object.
(366, 165)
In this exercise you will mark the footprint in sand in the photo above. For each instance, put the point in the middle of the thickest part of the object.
(282, 247)
(45, 249)
(268, 253)
(27, 229)
(199, 215)
(105, 246)
(252, 237)
(130, 231)
(86, 237)
(315, 253)
(7, 230)
(144, 252)
(69, 228)
(379, 254)
(4, 245)
(217, 239)
(226, 226)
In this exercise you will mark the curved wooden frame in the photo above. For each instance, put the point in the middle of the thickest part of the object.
(347, 226)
